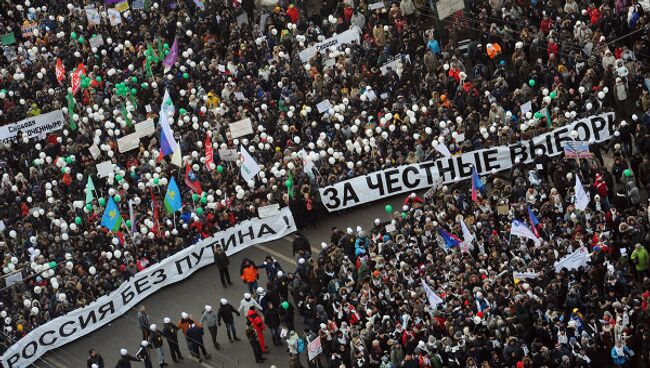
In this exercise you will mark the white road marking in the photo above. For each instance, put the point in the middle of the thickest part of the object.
(275, 253)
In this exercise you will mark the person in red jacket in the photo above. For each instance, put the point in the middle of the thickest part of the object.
(552, 48)
(259, 326)
(546, 24)
(601, 187)
(293, 13)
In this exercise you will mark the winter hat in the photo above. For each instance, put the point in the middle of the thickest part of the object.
(260, 291)
(144, 343)
(184, 315)
(301, 261)
(223, 301)
(167, 320)
(349, 231)
(152, 327)
(280, 274)
(208, 308)
(123, 352)
(247, 296)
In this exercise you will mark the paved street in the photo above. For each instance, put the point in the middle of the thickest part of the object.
(204, 288)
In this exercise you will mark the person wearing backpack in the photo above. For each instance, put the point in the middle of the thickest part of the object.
(295, 346)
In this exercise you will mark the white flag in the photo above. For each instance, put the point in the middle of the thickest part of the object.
(520, 229)
(579, 258)
(434, 300)
(307, 165)
(177, 156)
(582, 198)
(249, 167)
(468, 238)
(442, 148)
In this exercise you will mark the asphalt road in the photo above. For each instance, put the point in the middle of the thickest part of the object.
(204, 287)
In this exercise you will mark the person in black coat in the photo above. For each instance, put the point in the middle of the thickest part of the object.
(195, 337)
(125, 359)
(251, 334)
(170, 333)
(144, 355)
(222, 262)
(94, 358)
(272, 319)
(225, 314)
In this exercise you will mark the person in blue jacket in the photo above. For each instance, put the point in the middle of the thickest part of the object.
(621, 354)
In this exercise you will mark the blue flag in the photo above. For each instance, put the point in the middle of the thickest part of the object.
(112, 219)
(450, 239)
(173, 201)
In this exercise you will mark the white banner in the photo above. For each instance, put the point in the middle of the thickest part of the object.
(408, 178)
(579, 258)
(524, 275)
(33, 126)
(446, 8)
(80, 322)
(349, 36)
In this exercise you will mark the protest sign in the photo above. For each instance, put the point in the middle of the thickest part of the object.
(128, 142)
(104, 169)
(33, 126)
(241, 128)
(228, 154)
(268, 211)
(446, 8)
(335, 41)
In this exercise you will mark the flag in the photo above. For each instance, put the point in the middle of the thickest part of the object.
(547, 114)
(520, 229)
(534, 222)
(249, 167)
(132, 215)
(582, 198)
(177, 156)
(209, 154)
(90, 186)
(125, 115)
(160, 48)
(171, 58)
(450, 239)
(167, 104)
(156, 215)
(71, 106)
(468, 237)
(191, 180)
(442, 148)
(75, 81)
(307, 165)
(477, 184)
(290, 191)
(147, 67)
(434, 299)
(173, 201)
(167, 141)
(59, 70)
(112, 220)
(153, 56)
(199, 4)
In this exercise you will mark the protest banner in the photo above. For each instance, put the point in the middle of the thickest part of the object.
(33, 126)
(408, 178)
(576, 149)
(446, 8)
(178, 267)
(241, 128)
(336, 41)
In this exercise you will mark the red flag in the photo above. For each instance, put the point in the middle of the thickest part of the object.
(75, 80)
(191, 180)
(156, 215)
(209, 155)
(59, 70)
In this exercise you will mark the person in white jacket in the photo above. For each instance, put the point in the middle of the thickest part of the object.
(246, 303)
(407, 8)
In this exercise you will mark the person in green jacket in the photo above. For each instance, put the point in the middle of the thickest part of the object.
(641, 260)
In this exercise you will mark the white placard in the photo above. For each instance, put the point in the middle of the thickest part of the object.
(241, 128)
(94, 151)
(314, 348)
(145, 128)
(390, 228)
(524, 275)
(393, 64)
(93, 17)
(128, 142)
(268, 211)
(409, 178)
(175, 268)
(377, 5)
(228, 154)
(573, 261)
(323, 106)
(448, 7)
(104, 169)
(14, 278)
(528, 106)
(114, 16)
(347, 37)
(96, 41)
(33, 126)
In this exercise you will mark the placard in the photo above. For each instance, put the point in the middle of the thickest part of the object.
(577, 149)
(96, 41)
(122, 7)
(377, 5)
(446, 8)
(268, 211)
(27, 29)
(94, 151)
(528, 106)
(145, 128)
(8, 39)
(104, 169)
(390, 228)
(336, 41)
(93, 16)
(114, 16)
(314, 348)
(241, 128)
(13, 278)
(242, 19)
(393, 64)
(33, 126)
(128, 142)
(228, 154)
(323, 106)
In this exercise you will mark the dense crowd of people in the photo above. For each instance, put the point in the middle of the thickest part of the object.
(460, 81)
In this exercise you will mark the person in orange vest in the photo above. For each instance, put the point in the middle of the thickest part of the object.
(259, 326)
(249, 274)
(493, 49)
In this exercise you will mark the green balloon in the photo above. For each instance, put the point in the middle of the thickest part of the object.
(128, 223)
(403, 215)
(199, 211)
(166, 46)
(144, 85)
(73, 35)
(285, 305)
(132, 175)
(195, 196)
(186, 75)
(182, 111)
(538, 115)
(168, 102)
(166, 52)
(117, 198)
(552, 95)
(219, 169)
(98, 79)
(77, 220)
(134, 79)
(63, 170)
(102, 202)
(531, 83)
(118, 177)
(388, 208)
(89, 207)
(53, 264)
(204, 200)
(288, 183)
(627, 173)
(81, 39)
(156, 181)
(134, 91)
(85, 84)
